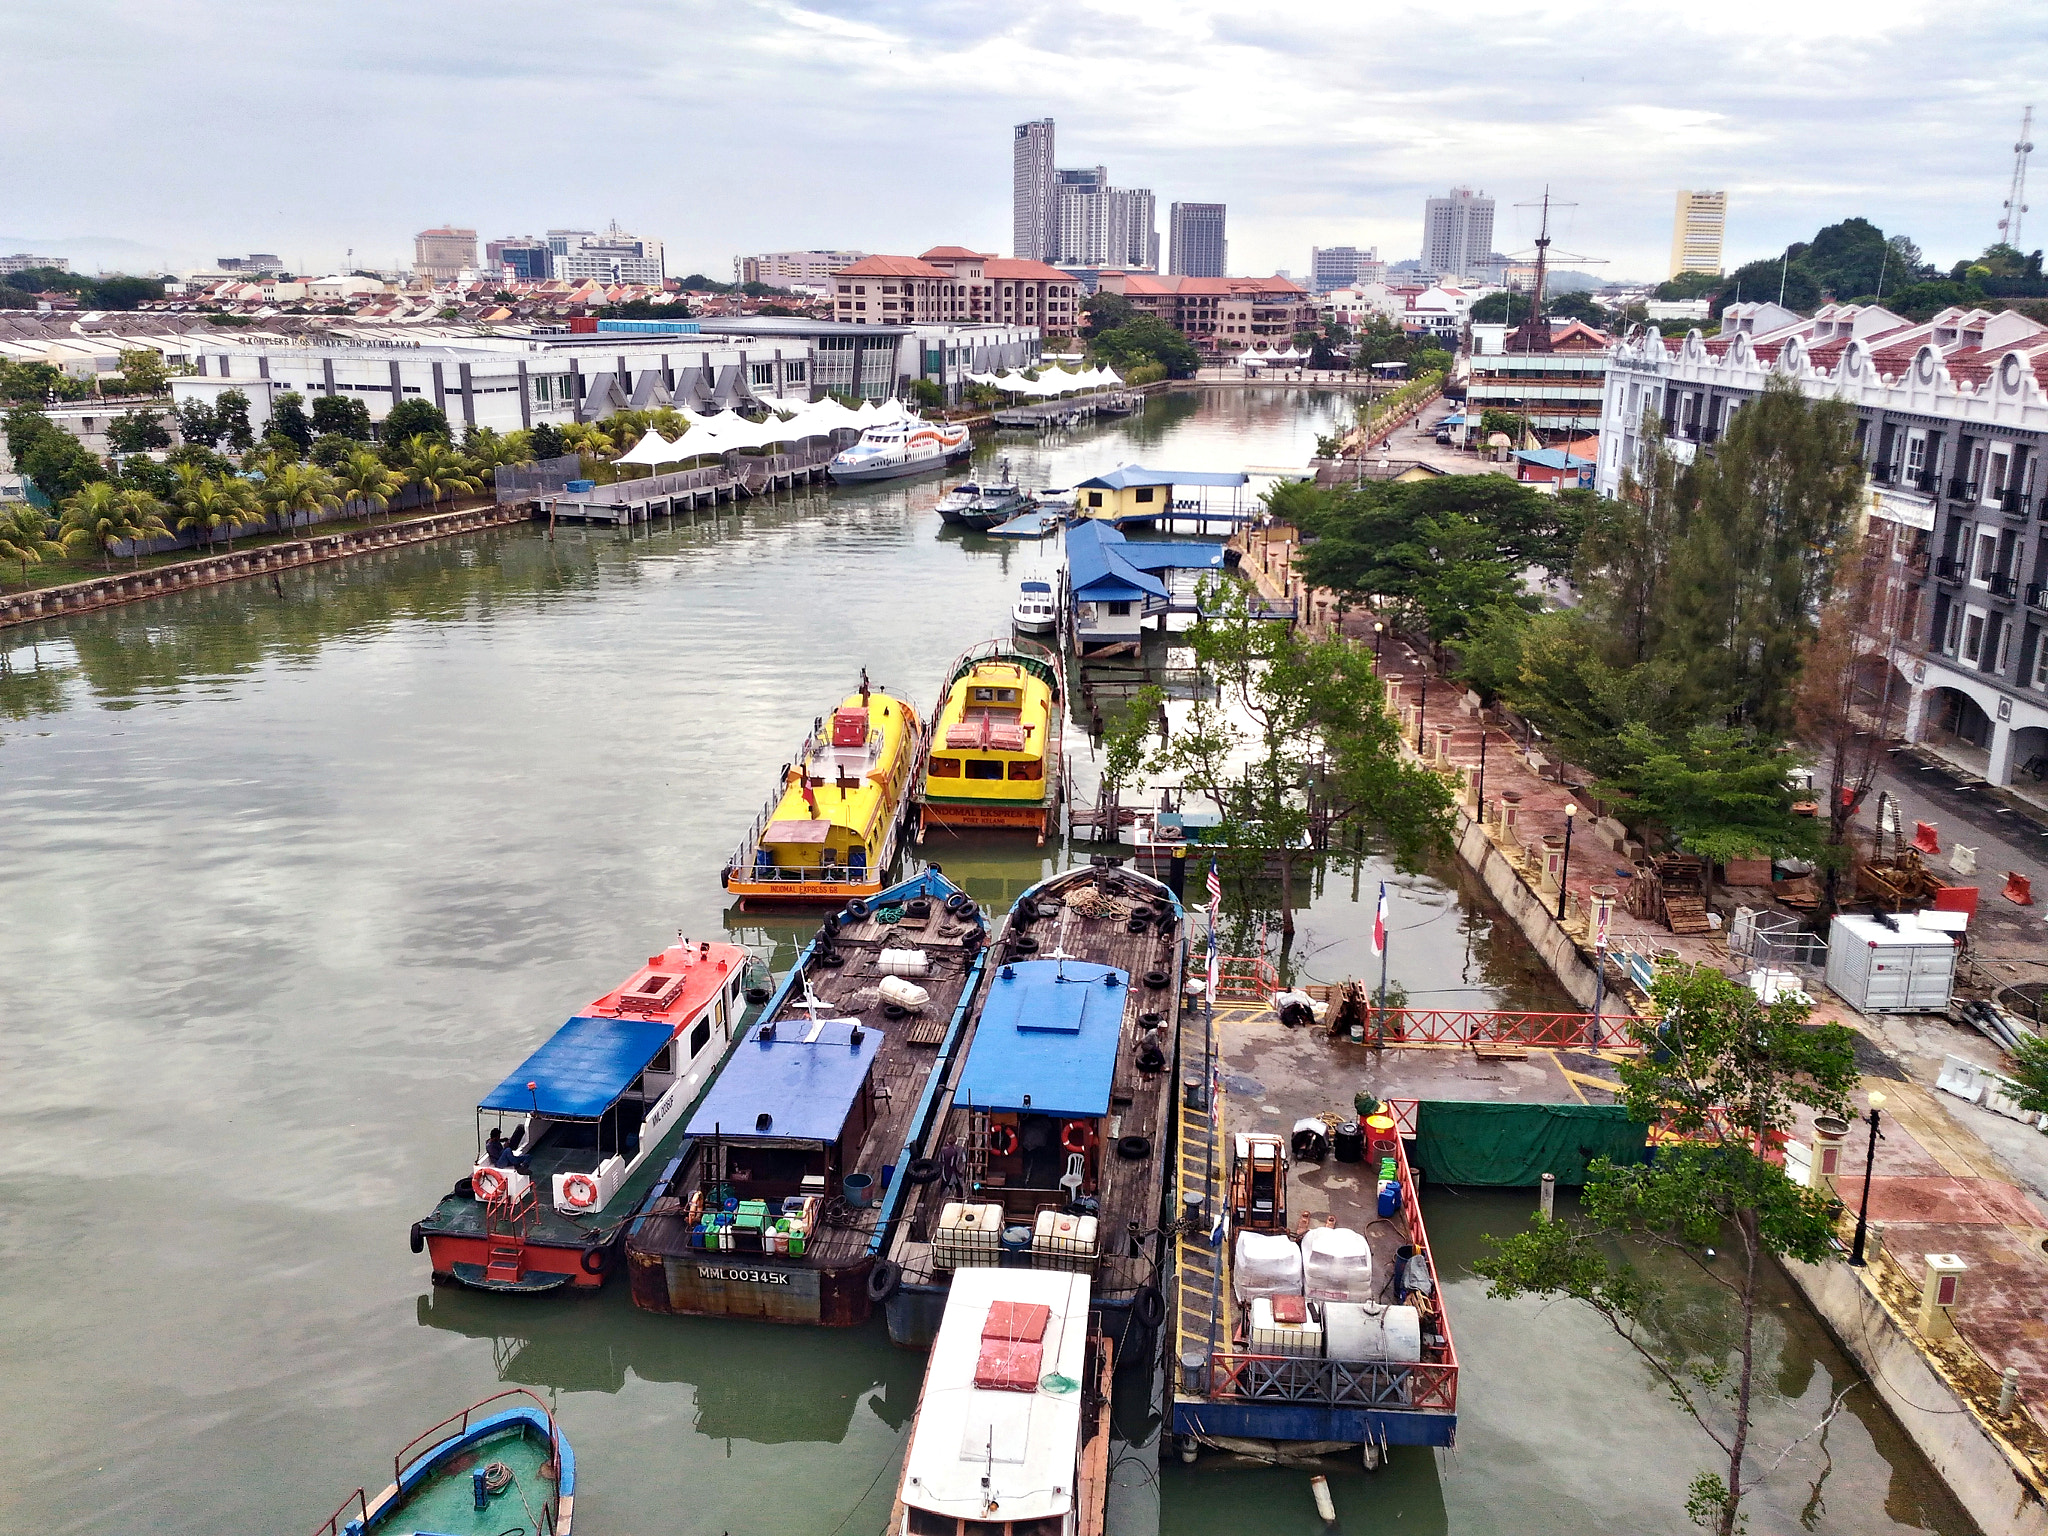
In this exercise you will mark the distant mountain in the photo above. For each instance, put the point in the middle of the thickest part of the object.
(1572, 282)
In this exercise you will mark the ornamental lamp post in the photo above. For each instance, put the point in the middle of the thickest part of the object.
(1870, 1158)
(1379, 633)
(1564, 870)
(1422, 712)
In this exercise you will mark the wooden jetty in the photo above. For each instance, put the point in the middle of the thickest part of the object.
(1054, 415)
(683, 491)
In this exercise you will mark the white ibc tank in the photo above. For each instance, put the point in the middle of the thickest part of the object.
(1267, 1264)
(1336, 1264)
(1354, 1330)
(902, 962)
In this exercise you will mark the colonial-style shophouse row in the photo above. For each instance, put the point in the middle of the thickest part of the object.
(1953, 423)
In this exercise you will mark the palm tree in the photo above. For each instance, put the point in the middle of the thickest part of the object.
(207, 506)
(25, 536)
(94, 518)
(297, 488)
(438, 469)
(248, 507)
(145, 515)
(368, 479)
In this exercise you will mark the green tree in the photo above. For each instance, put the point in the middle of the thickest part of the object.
(197, 424)
(288, 420)
(332, 450)
(342, 416)
(926, 393)
(231, 413)
(546, 441)
(137, 431)
(1106, 311)
(25, 536)
(101, 515)
(1382, 340)
(144, 372)
(1430, 360)
(415, 418)
(486, 448)
(55, 460)
(368, 481)
(1688, 286)
(1756, 560)
(120, 292)
(205, 506)
(1147, 339)
(1296, 750)
(1724, 1073)
(438, 469)
(291, 489)
(140, 472)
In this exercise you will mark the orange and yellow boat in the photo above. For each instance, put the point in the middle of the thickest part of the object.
(995, 754)
(829, 832)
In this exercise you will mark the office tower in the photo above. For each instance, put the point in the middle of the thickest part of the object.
(1696, 230)
(1097, 225)
(611, 257)
(1457, 233)
(1343, 266)
(1034, 216)
(439, 254)
(528, 260)
(1199, 248)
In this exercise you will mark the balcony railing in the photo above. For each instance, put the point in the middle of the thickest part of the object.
(1709, 434)
(1881, 474)
(2013, 503)
(1917, 562)
(1925, 480)
(1960, 489)
(2003, 586)
(1948, 570)
(2037, 595)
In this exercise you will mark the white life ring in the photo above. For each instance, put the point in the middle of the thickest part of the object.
(489, 1183)
(579, 1190)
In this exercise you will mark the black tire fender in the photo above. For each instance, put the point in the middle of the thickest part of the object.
(419, 1238)
(922, 1170)
(857, 909)
(883, 1280)
(1149, 1307)
(597, 1261)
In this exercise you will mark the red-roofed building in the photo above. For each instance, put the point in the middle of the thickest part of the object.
(1220, 314)
(950, 284)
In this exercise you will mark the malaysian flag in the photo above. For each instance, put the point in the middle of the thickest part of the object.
(1215, 889)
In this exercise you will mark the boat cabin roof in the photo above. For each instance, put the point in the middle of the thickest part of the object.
(1036, 586)
(1046, 1041)
(803, 1075)
(1025, 1443)
(675, 985)
(583, 1068)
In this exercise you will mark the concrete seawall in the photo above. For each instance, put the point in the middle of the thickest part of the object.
(1531, 913)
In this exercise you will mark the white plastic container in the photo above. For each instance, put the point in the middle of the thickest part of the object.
(905, 994)
(1354, 1330)
(969, 1235)
(902, 962)
(1301, 1341)
(1336, 1264)
(1266, 1264)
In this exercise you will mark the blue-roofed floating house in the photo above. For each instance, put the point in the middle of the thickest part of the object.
(796, 1160)
(1131, 495)
(1111, 585)
(1050, 1150)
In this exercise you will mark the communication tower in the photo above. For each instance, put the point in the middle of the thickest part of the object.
(2016, 198)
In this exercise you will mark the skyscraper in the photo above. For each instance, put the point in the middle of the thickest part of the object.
(1343, 266)
(1097, 225)
(1696, 231)
(439, 254)
(1199, 248)
(1034, 216)
(1457, 234)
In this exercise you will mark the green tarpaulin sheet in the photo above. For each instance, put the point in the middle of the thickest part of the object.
(1516, 1144)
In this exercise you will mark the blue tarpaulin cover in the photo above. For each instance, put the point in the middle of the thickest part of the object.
(806, 1087)
(1053, 1039)
(583, 1068)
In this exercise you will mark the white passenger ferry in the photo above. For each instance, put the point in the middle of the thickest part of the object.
(908, 446)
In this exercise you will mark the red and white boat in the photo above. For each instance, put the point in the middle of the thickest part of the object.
(903, 445)
(584, 1125)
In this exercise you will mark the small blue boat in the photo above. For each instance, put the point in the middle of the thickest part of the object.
(478, 1473)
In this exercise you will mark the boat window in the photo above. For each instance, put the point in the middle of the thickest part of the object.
(984, 768)
(925, 1522)
(1029, 769)
(700, 1037)
(945, 768)
(666, 1061)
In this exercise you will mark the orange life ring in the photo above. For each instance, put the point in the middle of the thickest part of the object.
(1002, 1140)
(1074, 1135)
(489, 1183)
(579, 1190)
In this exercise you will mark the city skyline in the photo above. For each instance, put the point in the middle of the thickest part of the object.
(1869, 111)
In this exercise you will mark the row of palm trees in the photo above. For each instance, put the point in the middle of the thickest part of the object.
(103, 516)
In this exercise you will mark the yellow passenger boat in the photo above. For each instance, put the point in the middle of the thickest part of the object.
(994, 758)
(829, 832)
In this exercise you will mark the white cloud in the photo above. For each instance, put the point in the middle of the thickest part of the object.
(753, 124)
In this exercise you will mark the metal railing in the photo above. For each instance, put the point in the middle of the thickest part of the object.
(2013, 503)
(1445, 1026)
(1960, 489)
(1245, 979)
(1949, 569)
(2002, 585)
(435, 1436)
(333, 1525)
(2037, 595)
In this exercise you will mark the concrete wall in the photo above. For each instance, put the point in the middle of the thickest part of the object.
(1532, 914)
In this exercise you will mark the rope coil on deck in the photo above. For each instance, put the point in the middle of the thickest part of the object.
(1089, 902)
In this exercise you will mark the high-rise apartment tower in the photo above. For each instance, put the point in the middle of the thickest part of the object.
(1034, 214)
(1696, 231)
(1457, 234)
(1199, 247)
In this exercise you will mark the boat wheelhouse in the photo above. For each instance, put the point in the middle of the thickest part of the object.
(573, 1131)
(1051, 1138)
(1011, 1435)
(800, 1155)
(477, 1473)
(829, 833)
(994, 758)
(909, 446)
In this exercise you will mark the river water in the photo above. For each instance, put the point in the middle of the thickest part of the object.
(294, 871)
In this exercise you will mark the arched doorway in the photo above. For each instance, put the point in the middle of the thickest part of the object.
(2030, 756)
(1957, 727)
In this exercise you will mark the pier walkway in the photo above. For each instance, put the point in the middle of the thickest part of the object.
(1055, 415)
(683, 491)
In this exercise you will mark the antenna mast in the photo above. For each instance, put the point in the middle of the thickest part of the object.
(2016, 196)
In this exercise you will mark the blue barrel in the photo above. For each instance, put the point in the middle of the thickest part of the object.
(1390, 1197)
(857, 1187)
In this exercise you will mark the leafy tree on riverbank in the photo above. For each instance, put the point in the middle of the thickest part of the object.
(438, 469)
(1146, 339)
(25, 536)
(205, 506)
(1724, 1074)
(291, 489)
(102, 515)
(366, 480)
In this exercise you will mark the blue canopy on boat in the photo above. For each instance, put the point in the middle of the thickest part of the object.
(803, 1076)
(1047, 1039)
(583, 1068)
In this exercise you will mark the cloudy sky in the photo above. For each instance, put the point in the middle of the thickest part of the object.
(198, 129)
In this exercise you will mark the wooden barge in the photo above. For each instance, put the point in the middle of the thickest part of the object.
(799, 1156)
(1050, 1149)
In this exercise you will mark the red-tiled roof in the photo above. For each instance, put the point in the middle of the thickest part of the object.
(891, 266)
(1018, 269)
(953, 253)
(1218, 287)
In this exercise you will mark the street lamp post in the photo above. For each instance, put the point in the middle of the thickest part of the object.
(1379, 633)
(1421, 711)
(1482, 768)
(1564, 870)
(1870, 1159)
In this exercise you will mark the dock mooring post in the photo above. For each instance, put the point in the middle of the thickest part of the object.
(1547, 1200)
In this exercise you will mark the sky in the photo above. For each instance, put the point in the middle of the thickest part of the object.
(142, 133)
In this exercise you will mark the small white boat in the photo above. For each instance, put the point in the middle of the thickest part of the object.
(1012, 1427)
(1060, 498)
(1034, 613)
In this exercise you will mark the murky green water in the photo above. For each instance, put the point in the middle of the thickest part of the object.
(292, 872)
